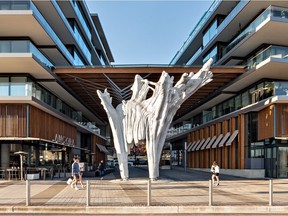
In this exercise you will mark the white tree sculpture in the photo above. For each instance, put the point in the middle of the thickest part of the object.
(143, 119)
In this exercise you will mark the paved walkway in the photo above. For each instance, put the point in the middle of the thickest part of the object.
(176, 192)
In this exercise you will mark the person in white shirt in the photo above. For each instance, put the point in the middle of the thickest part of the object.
(215, 173)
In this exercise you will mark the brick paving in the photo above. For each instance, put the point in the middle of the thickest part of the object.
(174, 188)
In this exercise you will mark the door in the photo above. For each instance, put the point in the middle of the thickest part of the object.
(271, 162)
(283, 162)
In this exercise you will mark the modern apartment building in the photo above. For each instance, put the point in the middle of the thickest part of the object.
(39, 114)
(244, 124)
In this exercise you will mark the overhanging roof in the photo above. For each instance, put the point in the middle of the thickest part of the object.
(119, 79)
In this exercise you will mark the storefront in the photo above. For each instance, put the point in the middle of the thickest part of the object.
(48, 140)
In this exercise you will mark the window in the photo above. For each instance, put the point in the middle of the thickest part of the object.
(4, 86)
(18, 86)
(212, 54)
(210, 33)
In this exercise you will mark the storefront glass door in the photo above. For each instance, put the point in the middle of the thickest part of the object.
(283, 162)
(271, 162)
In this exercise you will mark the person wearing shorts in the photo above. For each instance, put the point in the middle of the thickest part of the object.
(75, 173)
(215, 173)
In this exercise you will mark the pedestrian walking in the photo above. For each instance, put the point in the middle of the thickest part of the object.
(75, 173)
(215, 173)
(101, 168)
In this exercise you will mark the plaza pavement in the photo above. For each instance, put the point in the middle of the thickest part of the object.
(176, 192)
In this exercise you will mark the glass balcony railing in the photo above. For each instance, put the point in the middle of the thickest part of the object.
(196, 30)
(82, 44)
(81, 19)
(23, 46)
(271, 51)
(51, 33)
(271, 11)
(232, 14)
(15, 5)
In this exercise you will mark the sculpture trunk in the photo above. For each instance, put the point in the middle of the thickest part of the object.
(148, 119)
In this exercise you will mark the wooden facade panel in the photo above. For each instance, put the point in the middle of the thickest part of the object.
(98, 154)
(13, 120)
(240, 148)
(46, 126)
(228, 157)
(281, 119)
(266, 123)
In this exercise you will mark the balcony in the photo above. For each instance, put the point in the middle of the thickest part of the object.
(26, 20)
(268, 27)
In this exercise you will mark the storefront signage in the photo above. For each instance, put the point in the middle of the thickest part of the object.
(63, 140)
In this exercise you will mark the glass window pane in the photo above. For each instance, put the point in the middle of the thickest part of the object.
(4, 86)
(20, 46)
(18, 86)
(5, 47)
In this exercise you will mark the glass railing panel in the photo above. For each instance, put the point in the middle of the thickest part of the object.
(15, 5)
(82, 44)
(195, 31)
(195, 56)
(51, 33)
(81, 19)
(250, 29)
(279, 12)
(281, 88)
(77, 60)
(23, 46)
(4, 88)
(40, 56)
(14, 46)
(20, 89)
(270, 11)
(232, 14)
(271, 51)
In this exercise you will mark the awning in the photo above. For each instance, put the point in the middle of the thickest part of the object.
(201, 143)
(232, 137)
(188, 146)
(217, 141)
(206, 142)
(211, 142)
(191, 146)
(194, 147)
(224, 139)
(102, 149)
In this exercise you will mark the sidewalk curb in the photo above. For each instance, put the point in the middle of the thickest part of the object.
(145, 209)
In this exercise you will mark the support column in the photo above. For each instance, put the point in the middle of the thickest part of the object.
(5, 155)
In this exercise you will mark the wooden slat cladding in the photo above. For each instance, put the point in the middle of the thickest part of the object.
(98, 155)
(13, 120)
(228, 157)
(282, 120)
(46, 126)
(266, 123)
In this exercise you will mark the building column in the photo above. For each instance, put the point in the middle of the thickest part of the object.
(5, 155)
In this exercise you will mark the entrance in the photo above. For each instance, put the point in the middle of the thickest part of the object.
(283, 162)
(276, 162)
(271, 162)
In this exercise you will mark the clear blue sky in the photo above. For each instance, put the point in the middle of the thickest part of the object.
(147, 32)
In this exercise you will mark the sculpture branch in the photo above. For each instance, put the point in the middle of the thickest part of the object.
(148, 119)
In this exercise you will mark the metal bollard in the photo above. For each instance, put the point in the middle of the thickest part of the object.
(270, 192)
(210, 193)
(149, 192)
(87, 193)
(27, 192)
